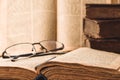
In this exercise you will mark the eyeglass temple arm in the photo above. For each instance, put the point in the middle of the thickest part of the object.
(23, 55)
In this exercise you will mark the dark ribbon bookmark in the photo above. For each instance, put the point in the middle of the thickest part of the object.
(40, 77)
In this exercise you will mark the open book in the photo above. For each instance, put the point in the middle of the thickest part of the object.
(80, 64)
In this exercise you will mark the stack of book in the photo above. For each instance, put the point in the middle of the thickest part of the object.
(102, 27)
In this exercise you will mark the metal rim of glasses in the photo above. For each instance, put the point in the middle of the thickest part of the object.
(56, 49)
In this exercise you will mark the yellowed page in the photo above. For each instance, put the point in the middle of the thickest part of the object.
(31, 20)
(22, 69)
(26, 63)
(3, 25)
(44, 19)
(27, 21)
(69, 27)
(91, 57)
(18, 21)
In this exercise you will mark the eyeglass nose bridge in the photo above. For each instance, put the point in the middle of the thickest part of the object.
(41, 47)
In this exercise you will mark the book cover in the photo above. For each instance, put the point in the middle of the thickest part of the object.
(98, 11)
(102, 28)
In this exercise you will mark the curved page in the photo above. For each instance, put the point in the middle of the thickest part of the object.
(27, 21)
(69, 23)
(3, 25)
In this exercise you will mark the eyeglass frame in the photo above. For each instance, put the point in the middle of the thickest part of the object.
(33, 47)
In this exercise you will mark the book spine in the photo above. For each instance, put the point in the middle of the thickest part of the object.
(102, 28)
(102, 11)
(111, 45)
(93, 2)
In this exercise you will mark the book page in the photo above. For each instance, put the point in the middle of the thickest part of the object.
(3, 25)
(44, 19)
(91, 57)
(23, 68)
(26, 21)
(18, 21)
(69, 26)
(26, 63)
(31, 20)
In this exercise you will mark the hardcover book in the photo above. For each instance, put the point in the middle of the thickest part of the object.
(103, 11)
(111, 45)
(102, 28)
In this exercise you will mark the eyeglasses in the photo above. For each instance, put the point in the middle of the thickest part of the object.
(22, 50)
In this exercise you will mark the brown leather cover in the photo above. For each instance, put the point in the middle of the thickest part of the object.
(102, 28)
(95, 11)
(111, 45)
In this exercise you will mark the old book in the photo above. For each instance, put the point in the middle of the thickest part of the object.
(83, 10)
(83, 63)
(98, 11)
(93, 2)
(111, 45)
(102, 28)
